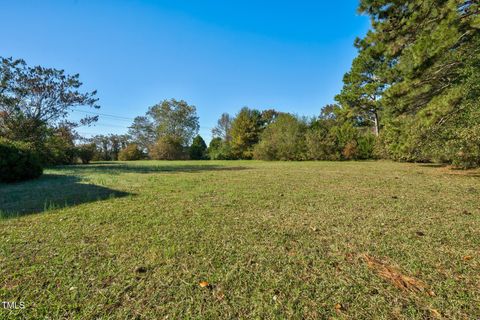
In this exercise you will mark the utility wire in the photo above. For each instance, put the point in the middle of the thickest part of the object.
(122, 118)
(106, 115)
(108, 125)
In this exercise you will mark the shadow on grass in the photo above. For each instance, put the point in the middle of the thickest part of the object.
(453, 170)
(117, 168)
(433, 165)
(49, 192)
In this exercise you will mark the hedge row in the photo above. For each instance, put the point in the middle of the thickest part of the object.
(18, 162)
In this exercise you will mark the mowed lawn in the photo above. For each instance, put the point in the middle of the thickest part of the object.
(270, 240)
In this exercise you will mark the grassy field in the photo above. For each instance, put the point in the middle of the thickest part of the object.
(240, 239)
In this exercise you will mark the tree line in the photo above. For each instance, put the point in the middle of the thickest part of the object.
(412, 94)
(169, 131)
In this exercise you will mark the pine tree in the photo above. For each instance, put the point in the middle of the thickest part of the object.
(431, 51)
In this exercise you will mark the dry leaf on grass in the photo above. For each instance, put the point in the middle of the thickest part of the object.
(395, 276)
(435, 314)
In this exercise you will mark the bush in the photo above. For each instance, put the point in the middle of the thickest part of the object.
(58, 148)
(57, 156)
(130, 153)
(284, 139)
(86, 152)
(465, 150)
(366, 145)
(18, 162)
(320, 145)
(168, 148)
(219, 150)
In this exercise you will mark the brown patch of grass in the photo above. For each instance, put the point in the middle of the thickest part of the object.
(395, 276)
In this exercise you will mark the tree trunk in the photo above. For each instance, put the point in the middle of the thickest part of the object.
(376, 123)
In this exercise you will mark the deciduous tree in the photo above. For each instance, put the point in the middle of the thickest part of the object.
(33, 99)
(175, 119)
(245, 132)
(222, 129)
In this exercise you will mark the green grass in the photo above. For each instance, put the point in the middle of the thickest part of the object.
(273, 240)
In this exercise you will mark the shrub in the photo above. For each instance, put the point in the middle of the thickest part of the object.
(18, 162)
(366, 145)
(219, 150)
(168, 148)
(56, 147)
(465, 150)
(344, 133)
(86, 152)
(320, 145)
(130, 153)
(283, 139)
(58, 156)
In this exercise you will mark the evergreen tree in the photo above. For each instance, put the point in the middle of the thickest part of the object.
(364, 84)
(426, 55)
(198, 148)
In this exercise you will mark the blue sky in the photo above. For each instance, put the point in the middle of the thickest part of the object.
(216, 55)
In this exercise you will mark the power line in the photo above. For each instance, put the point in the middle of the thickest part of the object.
(89, 133)
(108, 125)
(106, 115)
(117, 117)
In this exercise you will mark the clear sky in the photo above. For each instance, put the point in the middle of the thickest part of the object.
(217, 55)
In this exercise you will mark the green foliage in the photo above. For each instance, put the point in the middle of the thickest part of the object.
(176, 119)
(35, 101)
(364, 84)
(108, 146)
(142, 132)
(333, 136)
(245, 133)
(18, 162)
(198, 149)
(58, 147)
(168, 148)
(366, 144)
(130, 153)
(86, 152)
(337, 135)
(320, 144)
(428, 60)
(219, 150)
(283, 139)
(34, 105)
(171, 121)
